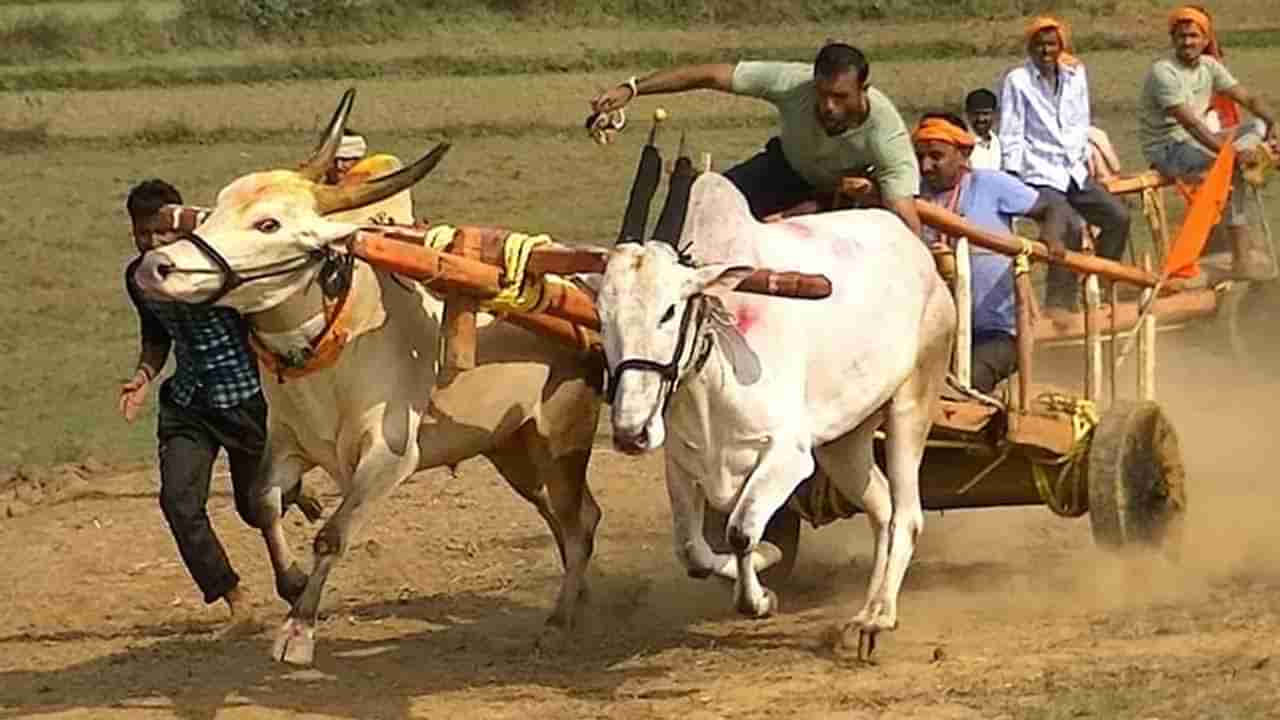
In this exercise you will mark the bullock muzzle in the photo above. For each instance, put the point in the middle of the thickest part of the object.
(160, 267)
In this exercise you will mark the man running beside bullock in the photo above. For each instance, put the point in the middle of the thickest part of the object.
(833, 124)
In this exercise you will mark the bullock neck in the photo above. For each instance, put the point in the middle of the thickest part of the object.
(293, 323)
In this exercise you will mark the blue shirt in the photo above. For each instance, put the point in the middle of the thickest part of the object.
(990, 199)
(215, 365)
(1044, 131)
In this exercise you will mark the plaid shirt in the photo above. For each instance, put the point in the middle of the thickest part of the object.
(215, 364)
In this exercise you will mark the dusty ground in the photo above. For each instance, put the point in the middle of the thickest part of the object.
(1007, 613)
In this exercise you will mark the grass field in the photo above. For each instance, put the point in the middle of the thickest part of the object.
(68, 335)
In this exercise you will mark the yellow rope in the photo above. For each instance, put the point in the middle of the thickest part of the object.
(439, 236)
(1022, 262)
(1084, 418)
(517, 295)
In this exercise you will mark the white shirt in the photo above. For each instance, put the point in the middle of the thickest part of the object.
(1043, 131)
(986, 154)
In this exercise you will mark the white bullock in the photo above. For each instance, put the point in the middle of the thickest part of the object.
(746, 392)
(367, 413)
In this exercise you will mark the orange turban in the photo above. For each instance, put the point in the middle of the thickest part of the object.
(1044, 22)
(1228, 113)
(939, 130)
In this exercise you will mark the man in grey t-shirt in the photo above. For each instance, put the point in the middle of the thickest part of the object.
(1176, 99)
(831, 124)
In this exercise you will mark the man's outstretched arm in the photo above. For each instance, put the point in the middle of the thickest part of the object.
(716, 76)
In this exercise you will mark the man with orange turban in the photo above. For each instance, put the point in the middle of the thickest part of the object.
(1177, 96)
(1044, 133)
(989, 199)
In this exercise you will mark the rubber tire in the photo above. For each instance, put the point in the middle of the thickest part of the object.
(783, 530)
(1137, 482)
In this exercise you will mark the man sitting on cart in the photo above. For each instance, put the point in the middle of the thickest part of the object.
(1177, 97)
(833, 123)
(989, 199)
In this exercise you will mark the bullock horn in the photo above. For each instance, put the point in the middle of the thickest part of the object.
(321, 158)
(648, 174)
(671, 222)
(337, 198)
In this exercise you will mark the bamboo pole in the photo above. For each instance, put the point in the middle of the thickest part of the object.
(1026, 337)
(962, 361)
(1113, 339)
(1147, 347)
(1007, 244)
(1093, 340)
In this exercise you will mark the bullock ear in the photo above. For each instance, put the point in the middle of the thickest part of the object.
(715, 279)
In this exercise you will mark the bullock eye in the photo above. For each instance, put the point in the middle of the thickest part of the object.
(267, 225)
(668, 315)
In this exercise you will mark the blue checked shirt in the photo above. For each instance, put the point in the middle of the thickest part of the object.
(215, 364)
(1044, 132)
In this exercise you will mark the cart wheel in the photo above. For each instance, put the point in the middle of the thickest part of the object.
(1137, 484)
(783, 530)
(1247, 316)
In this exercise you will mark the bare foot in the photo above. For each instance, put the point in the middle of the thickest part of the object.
(243, 622)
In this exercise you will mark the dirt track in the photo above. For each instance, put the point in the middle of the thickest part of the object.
(1006, 613)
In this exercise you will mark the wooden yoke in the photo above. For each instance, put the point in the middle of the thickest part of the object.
(459, 336)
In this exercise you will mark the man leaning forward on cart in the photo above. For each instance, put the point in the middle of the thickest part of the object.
(989, 199)
(833, 123)
(1177, 97)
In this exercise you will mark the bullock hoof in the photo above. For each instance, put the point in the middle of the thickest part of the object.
(291, 583)
(767, 605)
(295, 643)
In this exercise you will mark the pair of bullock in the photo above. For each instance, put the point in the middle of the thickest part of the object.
(756, 392)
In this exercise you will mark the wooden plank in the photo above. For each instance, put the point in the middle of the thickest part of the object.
(1125, 184)
(1052, 433)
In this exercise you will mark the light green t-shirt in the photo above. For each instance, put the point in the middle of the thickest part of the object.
(1169, 84)
(880, 145)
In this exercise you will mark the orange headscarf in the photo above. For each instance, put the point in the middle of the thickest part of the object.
(939, 130)
(1044, 22)
(1228, 113)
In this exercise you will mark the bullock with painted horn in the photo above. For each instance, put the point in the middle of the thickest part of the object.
(353, 388)
(757, 393)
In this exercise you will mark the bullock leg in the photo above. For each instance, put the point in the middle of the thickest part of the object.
(783, 465)
(850, 463)
(909, 418)
(377, 473)
(281, 473)
(688, 504)
(557, 487)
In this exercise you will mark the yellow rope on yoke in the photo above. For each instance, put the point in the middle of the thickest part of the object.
(1022, 262)
(439, 237)
(517, 295)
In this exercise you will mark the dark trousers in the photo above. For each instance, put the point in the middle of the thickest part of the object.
(189, 439)
(994, 358)
(1100, 208)
(769, 182)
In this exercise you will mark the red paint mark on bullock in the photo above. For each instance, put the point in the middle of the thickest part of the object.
(746, 317)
